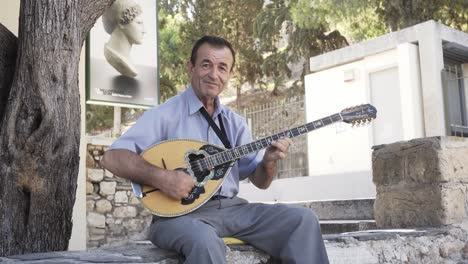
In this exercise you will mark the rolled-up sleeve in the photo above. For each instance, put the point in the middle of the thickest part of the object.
(143, 134)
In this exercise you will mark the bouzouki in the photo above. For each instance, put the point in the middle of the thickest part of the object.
(209, 164)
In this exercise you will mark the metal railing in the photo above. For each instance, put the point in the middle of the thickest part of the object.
(455, 84)
(276, 116)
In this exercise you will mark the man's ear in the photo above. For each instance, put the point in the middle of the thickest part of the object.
(190, 67)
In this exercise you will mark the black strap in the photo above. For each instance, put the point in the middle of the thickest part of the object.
(220, 132)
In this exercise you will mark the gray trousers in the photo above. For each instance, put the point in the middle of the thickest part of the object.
(289, 233)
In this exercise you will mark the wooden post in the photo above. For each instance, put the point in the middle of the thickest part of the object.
(117, 121)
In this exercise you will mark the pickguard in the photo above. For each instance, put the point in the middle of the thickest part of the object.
(203, 177)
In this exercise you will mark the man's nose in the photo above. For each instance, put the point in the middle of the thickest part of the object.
(213, 73)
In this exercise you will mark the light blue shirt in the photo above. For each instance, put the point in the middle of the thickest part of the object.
(179, 118)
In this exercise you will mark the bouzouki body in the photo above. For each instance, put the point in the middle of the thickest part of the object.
(182, 154)
(210, 164)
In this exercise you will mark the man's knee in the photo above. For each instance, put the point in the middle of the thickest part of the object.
(306, 216)
(204, 243)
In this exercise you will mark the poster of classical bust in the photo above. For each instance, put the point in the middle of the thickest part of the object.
(122, 56)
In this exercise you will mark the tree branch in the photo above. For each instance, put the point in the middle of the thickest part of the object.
(91, 10)
(8, 49)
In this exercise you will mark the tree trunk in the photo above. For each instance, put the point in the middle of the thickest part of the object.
(40, 132)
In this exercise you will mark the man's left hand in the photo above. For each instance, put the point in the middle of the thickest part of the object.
(277, 151)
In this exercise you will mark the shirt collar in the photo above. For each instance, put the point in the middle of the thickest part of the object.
(194, 104)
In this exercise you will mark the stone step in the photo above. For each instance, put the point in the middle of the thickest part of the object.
(367, 247)
(344, 226)
(352, 209)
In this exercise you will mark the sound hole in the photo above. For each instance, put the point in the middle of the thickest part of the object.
(199, 173)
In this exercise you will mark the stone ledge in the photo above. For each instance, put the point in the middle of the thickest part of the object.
(350, 209)
(134, 252)
(416, 246)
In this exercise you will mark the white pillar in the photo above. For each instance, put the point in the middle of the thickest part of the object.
(79, 230)
(117, 121)
(465, 84)
(432, 64)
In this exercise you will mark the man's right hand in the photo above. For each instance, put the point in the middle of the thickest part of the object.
(129, 165)
(177, 184)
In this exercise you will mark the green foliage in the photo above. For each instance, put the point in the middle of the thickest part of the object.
(398, 14)
(99, 118)
(288, 35)
(364, 19)
(172, 75)
(230, 19)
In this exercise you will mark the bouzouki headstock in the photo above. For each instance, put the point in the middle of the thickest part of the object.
(359, 114)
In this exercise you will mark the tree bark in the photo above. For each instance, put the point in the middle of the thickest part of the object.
(40, 132)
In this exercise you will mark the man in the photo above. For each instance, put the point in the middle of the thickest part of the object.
(289, 233)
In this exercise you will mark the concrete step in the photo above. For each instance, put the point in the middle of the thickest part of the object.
(368, 247)
(352, 209)
(344, 226)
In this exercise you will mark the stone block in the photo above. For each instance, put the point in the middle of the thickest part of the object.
(134, 224)
(95, 175)
(408, 206)
(352, 209)
(419, 205)
(97, 231)
(421, 182)
(453, 199)
(90, 205)
(410, 161)
(422, 160)
(107, 188)
(103, 206)
(125, 211)
(121, 197)
(89, 187)
(453, 159)
(96, 220)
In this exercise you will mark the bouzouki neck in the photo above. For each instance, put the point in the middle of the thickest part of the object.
(240, 151)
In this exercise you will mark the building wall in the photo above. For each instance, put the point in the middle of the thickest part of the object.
(388, 80)
(9, 15)
(114, 214)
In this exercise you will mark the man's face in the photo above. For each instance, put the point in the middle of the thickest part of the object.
(211, 71)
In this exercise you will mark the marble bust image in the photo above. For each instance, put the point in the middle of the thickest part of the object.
(123, 21)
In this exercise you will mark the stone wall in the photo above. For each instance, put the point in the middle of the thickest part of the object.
(114, 214)
(421, 182)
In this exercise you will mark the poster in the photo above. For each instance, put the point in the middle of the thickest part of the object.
(121, 56)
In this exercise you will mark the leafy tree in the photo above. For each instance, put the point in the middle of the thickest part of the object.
(40, 123)
(278, 22)
(364, 19)
(172, 73)
(231, 19)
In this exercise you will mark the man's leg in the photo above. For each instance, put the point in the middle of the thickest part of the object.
(290, 233)
(196, 240)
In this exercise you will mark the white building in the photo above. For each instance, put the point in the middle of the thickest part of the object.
(414, 77)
